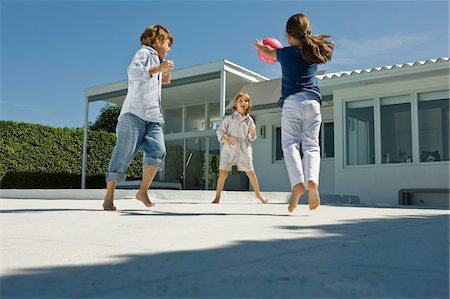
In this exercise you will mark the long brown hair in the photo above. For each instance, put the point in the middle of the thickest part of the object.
(314, 48)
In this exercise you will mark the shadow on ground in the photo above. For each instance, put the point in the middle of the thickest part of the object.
(388, 258)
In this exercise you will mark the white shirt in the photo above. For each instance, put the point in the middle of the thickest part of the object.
(144, 90)
(236, 126)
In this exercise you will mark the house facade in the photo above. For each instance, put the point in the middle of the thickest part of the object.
(384, 129)
(193, 104)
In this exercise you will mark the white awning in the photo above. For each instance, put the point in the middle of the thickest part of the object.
(264, 94)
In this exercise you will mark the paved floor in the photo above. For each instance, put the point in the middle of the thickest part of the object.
(184, 248)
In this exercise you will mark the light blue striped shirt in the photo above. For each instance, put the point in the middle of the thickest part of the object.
(144, 90)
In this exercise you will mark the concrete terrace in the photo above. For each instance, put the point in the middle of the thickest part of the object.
(61, 244)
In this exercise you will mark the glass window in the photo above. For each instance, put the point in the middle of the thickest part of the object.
(174, 161)
(360, 132)
(434, 126)
(196, 118)
(328, 140)
(174, 120)
(214, 119)
(195, 159)
(396, 133)
(214, 162)
(278, 152)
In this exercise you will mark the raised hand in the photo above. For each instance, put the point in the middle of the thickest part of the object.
(167, 78)
(166, 65)
(252, 131)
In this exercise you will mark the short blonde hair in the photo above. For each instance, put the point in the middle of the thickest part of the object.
(246, 96)
(156, 32)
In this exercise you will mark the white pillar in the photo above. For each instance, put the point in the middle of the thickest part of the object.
(223, 87)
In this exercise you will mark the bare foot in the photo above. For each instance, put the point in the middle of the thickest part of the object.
(262, 199)
(142, 196)
(216, 200)
(297, 192)
(108, 205)
(313, 196)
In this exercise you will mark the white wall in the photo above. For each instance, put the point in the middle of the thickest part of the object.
(272, 176)
(380, 183)
(326, 178)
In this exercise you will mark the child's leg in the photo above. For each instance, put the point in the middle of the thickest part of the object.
(154, 155)
(291, 137)
(147, 179)
(223, 174)
(297, 192)
(311, 151)
(108, 203)
(254, 182)
(129, 135)
(313, 195)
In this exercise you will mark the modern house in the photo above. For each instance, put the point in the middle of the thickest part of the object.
(384, 138)
(194, 104)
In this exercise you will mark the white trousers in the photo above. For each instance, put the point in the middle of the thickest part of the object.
(300, 126)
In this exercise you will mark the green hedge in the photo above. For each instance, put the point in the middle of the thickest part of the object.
(37, 156)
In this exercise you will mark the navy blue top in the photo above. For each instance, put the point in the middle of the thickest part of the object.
(297, 75)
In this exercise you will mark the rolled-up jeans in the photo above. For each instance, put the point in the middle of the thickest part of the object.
(132, 133)
(300, 126)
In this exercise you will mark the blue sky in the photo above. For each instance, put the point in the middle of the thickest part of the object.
(52, 50)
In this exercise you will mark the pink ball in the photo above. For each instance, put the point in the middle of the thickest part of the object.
(272, 42)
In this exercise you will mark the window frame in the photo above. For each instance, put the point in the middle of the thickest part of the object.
(373, 101)
(414, 110)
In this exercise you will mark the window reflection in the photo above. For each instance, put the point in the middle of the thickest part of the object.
(360, 133)
(195, 118)
(434, 126)
(173, 120)
(396, 135)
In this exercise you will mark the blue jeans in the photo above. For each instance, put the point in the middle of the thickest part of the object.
(300, 124)
(132, 133)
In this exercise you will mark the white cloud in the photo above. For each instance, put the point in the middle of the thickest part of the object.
(354, 51)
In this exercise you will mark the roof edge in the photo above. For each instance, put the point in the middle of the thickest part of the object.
(442, 61)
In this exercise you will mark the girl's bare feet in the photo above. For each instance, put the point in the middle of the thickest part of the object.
(313, 196)
(142, 196)
(108, 204)
(216, 200)
(297, 192)
(262, 199)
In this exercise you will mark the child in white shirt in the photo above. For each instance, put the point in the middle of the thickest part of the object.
(140, 121)
(235, 132)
